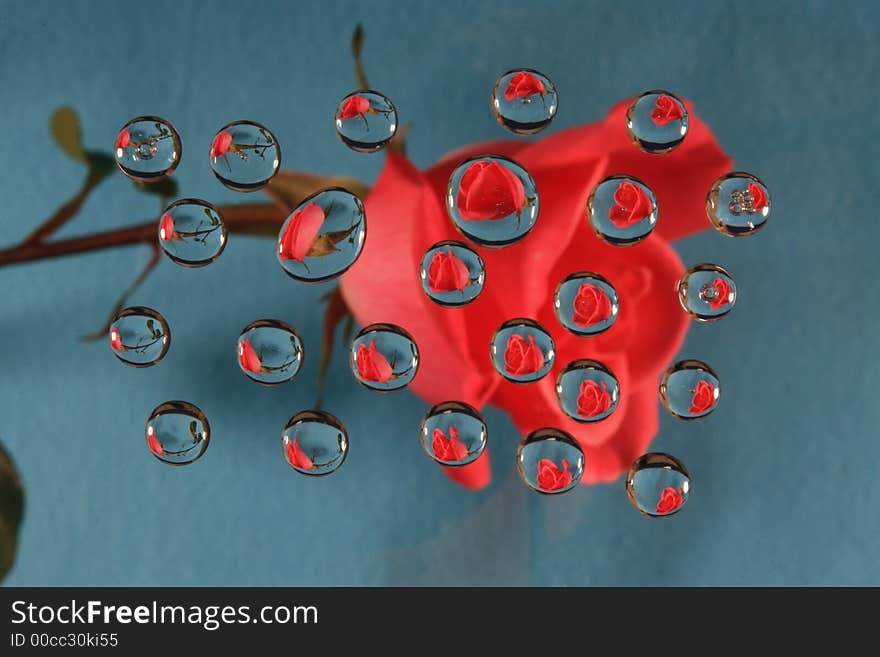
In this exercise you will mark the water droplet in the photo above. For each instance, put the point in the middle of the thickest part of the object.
(492, 200)
(622, 210)
(524, 101)
(177, 432)
(454, 433)
(550, 461)
(657, 122)
(314, 443)
(738, 204)
(323, 236)
(244, 156)
(269, 352)
(192, 232)
(147, 149)
(452, 274)
(522, 351)
(366, 121)
(707, 292)
(658, 485)
(384, 357)
(690, 390)
(587, 391)
(139, 336)
(586, 304)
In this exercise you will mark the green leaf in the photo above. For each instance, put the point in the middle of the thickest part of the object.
(100, 166)
(193, 426)
(11, 511)
(64, 125)
(166, 188)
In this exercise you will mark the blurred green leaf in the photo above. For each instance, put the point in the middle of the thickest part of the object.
(166, 188)
(64, 125)
(11, 511)
(100, 166)
(335, 312)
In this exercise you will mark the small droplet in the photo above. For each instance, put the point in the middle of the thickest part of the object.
(192, 232)
(550, 461)
(323, 236)
(452, 274)
(314, 443)
(522, 351)
(586, 304)
(492, 200)
(707, 292)
(269, 352)
(622, 210)
(524, 101)
(454, 433)
(244, 156)
(147, 149)
(177, 433)
(384, 357)
(657, 485)
(587, 391)
(690, 390)
(657, 122)
(139, 336)
(738, 204)
(366, 121)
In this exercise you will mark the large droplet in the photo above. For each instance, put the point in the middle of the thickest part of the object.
(192, 232)
(690, 390)
(323, 236)
(452, 274)
(622, 210)
(657, 485)
(269, 352)
(454, 433)
(492, 200)
(384, 357)
(177, 432)
(139, 336)
(147, 149)
(657, 122)
(522, 351)
(524, 101)
(550, 461)
(587, 391)
(366, 121)
(244, 156)
(707, 292)
(586, 304)
(314, 443)
(738, 204)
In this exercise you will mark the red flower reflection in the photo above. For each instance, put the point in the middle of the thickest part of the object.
(666, 110)
(722, 294)
(759, 198)
(221, 144)
(447, 273)
(248, 358)
(670, 500)
(591, 305)
(593, 399)
(123, 140)
(550, 477)
(372, 365)
(703, 399)
(166, 228)
(631, 205)
(521, 356)
(297, 457)
(153, 442)
(301, 231)
(448, 449)
(523, 85)
(489, 191)
(115, 339)
(354, 106)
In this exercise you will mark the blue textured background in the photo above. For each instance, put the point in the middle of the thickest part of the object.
(784, 472)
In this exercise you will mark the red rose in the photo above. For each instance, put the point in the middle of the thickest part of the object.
(296, 457)
(166, 228)
(523, 85)
(522, 356)
(722, 294)
(384, 284)
(301, 231)
(759, 198)
(115, 340)
(451, 449)
(550, 477)
(670, 500)
(447, 273)
(665, 110)
(490, 191)
(153, 442)
(354, 106)
(248, 358)
(371, 364)
(631, 205)
(123, 140)
(703, 399)
(591, 305)
(593, 400)
(221, 144)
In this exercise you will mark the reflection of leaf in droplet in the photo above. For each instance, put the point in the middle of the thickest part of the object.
(166, 188)
(151, 327)
(322, 246)
(11, 511)
(64, 125)
(338, 235)
(192, 430)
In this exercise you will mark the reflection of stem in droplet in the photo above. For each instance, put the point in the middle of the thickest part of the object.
(200, 234)
(140, 347)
